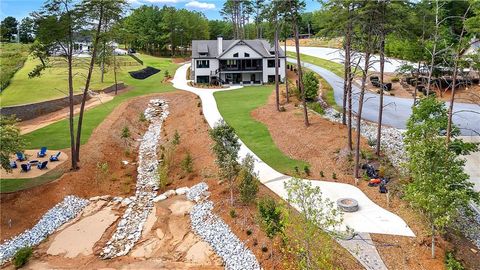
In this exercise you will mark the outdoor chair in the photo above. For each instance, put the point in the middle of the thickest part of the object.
(13, 164)
(42, 165)
(387, 86)
(21, 156)
(43, 152)
(26, 167)
(55, 157)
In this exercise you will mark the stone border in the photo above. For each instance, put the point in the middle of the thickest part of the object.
(51, 221)
(33, 110)
(212, 229)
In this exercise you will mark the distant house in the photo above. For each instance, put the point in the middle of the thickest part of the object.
(235, 61)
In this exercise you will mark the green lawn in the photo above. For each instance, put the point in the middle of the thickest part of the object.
(53, 82)
(11, 185)
(327, 64)
(235, 107)
(12, 57)
(55, 136)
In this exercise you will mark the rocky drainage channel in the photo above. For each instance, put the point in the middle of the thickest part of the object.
(51, 221)
(129, 229)
(214, 231)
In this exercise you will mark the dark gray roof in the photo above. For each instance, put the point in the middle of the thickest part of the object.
(261, 46)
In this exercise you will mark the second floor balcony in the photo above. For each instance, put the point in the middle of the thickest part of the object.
(241, 65)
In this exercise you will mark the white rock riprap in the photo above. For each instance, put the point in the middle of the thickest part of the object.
(129, 229)
(392, 138)
(50, 221)
(214, 231)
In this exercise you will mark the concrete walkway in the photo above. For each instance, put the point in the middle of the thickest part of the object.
(397, 110)
(371, 218)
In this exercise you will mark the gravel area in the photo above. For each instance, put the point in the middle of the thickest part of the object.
(214, 231)
(52, 220)
(392, 138)
(129, 229)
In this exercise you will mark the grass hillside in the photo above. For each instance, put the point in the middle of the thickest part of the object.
(53, 82)
(12, 57)
(57, 133)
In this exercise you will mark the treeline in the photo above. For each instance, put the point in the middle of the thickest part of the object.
(153, 29)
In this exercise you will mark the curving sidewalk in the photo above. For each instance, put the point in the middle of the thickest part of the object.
(370, 218)
(396, 110)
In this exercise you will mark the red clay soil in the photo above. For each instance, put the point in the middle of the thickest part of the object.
(194, 139)
(323, 144)
(105, 145)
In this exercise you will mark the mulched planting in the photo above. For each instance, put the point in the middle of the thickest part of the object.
(144, 73)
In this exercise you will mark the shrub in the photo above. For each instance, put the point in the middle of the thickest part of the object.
(316, 107)
(125, 132)
(395, 79)
(176, 138)
(282, 109)
(233, 213)
(297, 171)
(306, 169)
(167, 74)
(270, 217)
(248, 180)
(141, 117)
(249, 232)
(310, 85)
(321, 174)
(372, 142)
(451, 263)
(334, 175)
(22, 256)
(264, 248)
(187, 164)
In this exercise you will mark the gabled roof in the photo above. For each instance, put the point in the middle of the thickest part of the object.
(209, 47)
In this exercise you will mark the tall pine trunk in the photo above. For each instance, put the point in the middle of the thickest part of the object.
(359, 115)
(71, 112)
(277, 86)
(300, 75)
(87, 84)
(382, 86)
(286, 71)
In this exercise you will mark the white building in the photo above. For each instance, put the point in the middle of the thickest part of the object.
(235, 61)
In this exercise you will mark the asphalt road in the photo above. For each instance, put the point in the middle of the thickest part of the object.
(396, 110)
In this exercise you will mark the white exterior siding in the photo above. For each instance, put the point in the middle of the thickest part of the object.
(204, 71)
(223, 51)
(241, 50)
(271, 71)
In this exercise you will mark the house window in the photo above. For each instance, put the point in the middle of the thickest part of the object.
(203, 63)
(203, 79)
(271, 63)
(247, 55)
(235, 54)
(231, 63)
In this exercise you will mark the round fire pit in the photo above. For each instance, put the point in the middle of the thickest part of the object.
(347, 204)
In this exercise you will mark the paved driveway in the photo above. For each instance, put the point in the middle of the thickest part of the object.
(396, 110)
(371, 218)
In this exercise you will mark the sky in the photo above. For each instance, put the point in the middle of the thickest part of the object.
(211, 8)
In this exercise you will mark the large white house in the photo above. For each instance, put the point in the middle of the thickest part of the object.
(235, 61)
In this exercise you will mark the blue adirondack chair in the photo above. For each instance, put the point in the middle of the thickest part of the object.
(26, 167)
(13, 164)
(43, 152)
(21, 156)
(42, 165)
(55, 157)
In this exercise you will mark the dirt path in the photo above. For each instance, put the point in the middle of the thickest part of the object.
(47, 119)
